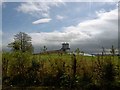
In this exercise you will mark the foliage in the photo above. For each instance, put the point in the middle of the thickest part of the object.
(62, 71)
(22, 42)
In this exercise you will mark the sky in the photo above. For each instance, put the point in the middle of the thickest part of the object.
(88, 26)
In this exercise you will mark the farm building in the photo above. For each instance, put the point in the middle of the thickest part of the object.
(65, 48)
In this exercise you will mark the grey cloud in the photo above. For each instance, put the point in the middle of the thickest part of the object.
(89, 36)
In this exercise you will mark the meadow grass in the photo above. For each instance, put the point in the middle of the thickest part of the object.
(61, 71)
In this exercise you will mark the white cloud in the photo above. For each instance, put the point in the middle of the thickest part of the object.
(1, 33)
(93, 0)
(62, 0)
(38, 9)
(59, 17)
(40, 21)
(100, 31)
(1, 1)
(56, 37)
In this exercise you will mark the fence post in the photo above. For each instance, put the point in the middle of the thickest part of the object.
(74, 65)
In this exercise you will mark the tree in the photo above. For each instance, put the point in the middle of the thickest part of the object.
(22, 42)
(112, 50)
(77, 51)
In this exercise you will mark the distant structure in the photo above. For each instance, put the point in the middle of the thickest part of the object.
(65, 47)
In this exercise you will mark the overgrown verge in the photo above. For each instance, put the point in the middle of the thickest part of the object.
(65, 71)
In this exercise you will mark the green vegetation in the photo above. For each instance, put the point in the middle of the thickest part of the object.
(22, 69)
(61, 71)
(22, 42)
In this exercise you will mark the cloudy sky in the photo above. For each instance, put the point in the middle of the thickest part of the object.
(85, 25)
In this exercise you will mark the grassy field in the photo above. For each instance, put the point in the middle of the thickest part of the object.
(61, 71)
(0, 70)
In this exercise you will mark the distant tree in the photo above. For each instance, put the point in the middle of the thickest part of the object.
(22, 42)
(77, 51)
(82, 52)
(112, 50)
(103, 51)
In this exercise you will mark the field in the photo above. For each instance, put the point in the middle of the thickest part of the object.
(0, 70)
(62, 71)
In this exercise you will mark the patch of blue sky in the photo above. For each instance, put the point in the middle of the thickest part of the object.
(14, 21)
(73, 13)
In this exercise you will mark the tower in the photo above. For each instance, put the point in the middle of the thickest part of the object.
(65, 47)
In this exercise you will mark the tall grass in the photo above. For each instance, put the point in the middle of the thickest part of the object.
(61, 71)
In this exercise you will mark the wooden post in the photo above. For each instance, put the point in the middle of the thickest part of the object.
(74, 65)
